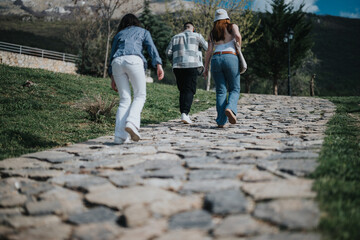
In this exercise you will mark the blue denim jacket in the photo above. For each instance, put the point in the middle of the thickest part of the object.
(130, 41)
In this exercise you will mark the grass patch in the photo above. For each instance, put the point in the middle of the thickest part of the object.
(338, 175)
(45, 115)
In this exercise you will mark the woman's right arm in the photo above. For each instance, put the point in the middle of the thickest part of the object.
(208, 55)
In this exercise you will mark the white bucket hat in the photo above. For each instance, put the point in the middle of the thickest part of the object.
(221, 14)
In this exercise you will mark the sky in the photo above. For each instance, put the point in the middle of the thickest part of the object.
(342, 8)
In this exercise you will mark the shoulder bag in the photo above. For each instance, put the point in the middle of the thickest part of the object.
(242, 62)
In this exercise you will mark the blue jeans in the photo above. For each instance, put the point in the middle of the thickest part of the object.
(226, 73)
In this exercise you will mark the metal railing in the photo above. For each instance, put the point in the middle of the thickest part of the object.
(10, 47)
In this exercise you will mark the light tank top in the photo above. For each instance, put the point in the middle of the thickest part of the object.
(229, 46)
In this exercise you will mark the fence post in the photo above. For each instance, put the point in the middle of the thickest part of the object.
(64, 57)
(42, 53)
(20, 49)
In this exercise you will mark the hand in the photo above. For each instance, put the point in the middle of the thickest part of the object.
(160, 72)
(205, 73)
(113, 84)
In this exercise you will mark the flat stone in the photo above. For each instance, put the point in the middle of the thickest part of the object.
(5, 212)
(70, 201)
(289, 213)
(301, 188)
(9, 212)
(96, 231)
(34, 173)
(136, 215)
(125, 180)
(34, 188)
(161, 157)
(5, 231)
(21, 163)
(294, 155)
(12, 199)
(176, 205)
(120, 198)
(54, 232)
(167, 184)
(297, 167)
(252, 154)
(242, 225)
(200, 160)
(213, 174)
(156, 164)
(51, 156)
(153, 229)
(188, 234)
(289, 236)
(43, 207)
(223, 202)
(177, 172)
(198, 219)
(143, 150)
(80, 182)
(255, 175)
(94, 215)
(218, 166)
(200, 186)
(29, 221)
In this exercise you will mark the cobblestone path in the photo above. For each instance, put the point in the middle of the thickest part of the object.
(180, 182)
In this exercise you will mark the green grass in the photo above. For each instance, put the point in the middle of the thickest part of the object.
(43, 116)
(338, 175)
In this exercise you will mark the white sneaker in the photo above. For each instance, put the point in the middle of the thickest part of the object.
(185, 118)
(119, 140)
(134, 133)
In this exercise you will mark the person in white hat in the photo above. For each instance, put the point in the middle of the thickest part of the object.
(224, 66)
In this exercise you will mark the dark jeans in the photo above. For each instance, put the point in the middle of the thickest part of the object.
(186, 82)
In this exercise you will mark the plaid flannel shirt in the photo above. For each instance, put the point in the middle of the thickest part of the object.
(184, 50)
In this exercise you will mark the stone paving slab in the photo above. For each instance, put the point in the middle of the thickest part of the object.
(246, 181)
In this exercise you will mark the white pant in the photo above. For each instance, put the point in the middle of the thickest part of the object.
(127, 69)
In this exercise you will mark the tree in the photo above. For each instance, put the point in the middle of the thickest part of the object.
(301, 79)
(107, 9)
(271, 51)
(160, 31)
(83, 36)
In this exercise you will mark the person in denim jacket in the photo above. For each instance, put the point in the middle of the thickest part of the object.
(127, 66)
(224, 66)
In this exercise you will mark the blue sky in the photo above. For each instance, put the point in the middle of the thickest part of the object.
(343, 8)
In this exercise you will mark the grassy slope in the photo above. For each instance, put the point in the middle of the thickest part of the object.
(338, 49)
(44, 116)
(338, 175)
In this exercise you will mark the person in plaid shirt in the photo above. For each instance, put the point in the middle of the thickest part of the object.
(184, 50)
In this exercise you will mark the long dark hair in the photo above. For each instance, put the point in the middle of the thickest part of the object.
(127, 21)
(218, 31)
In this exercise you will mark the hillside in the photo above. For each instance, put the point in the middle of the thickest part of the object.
(337, 46)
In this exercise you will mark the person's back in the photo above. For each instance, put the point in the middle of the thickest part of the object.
(184, 48)
(186, 57)
(224, 66)
(126, 70)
